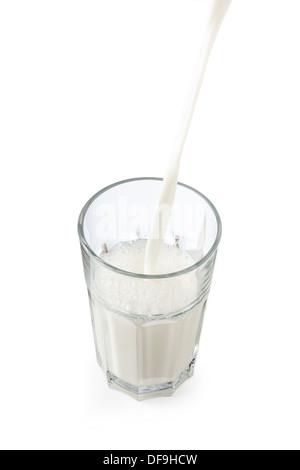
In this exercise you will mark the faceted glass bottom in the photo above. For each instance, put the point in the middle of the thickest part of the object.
(166, 389)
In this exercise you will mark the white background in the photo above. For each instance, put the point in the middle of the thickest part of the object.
(91, 93)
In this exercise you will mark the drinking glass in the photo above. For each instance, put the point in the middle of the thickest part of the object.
(147, 327)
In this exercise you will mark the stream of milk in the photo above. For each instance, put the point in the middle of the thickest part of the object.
(162, 215)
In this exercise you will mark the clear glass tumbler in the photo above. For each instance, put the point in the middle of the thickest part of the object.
(147, 341)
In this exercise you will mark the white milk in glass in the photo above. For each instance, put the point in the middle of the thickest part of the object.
(135, 350)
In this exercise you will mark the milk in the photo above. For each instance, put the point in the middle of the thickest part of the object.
(166, 199)
(147, 328)
(132, 345)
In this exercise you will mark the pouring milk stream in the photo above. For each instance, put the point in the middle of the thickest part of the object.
(162, 215)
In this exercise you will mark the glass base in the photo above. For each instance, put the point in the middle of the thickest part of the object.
(166, 389)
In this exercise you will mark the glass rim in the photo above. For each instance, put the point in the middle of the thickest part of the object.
(99, 260)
